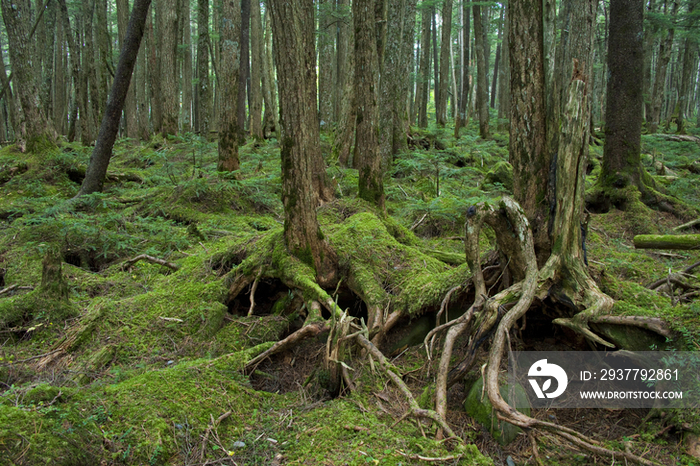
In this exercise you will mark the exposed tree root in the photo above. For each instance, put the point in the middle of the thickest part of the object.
(151, 259)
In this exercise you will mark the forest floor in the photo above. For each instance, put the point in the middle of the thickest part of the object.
(143, 363)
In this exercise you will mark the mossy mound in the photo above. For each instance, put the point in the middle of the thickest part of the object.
(478, 406)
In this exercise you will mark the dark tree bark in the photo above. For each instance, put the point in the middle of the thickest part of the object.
(390, 83)
(436, 72)
(203, 93)
(154, 78)
(482, 86)
(229, 75)
(300, 139)
(130, 115)
(623, 119)
(186, 41)
(463, 98)
(270, 124)
(345, 130)
(403, 107)
(326, 36)
(504, 79)
(662, 61)
(35, 128)
(496, 62)
(141, 83)
(99, 160)
(441, 107)
(366, 157)
(528, 130)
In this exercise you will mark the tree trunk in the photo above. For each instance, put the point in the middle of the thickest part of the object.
(47, 50)
(130, 115)
(154, 77)
(9, 96)
(244, 72)
(203, 94)
(326, 35)
(686, 242)
(105, 67)
(441, 107)
(482, 86)
(504, 79)
(462, 102)
(496, 62)
(90, 69)
(99, 160)
(229, 75)
(186, 68)
(623, 121)
(424, 69)
(401, 123)
(528, 136)
(300, 140)
(689, 54)
(436, 81)
(270, 124)
(256, 58)
(168, 67)
(366, 157)
(390, 83)
(664, 56)
(345, 130)
(36, 128)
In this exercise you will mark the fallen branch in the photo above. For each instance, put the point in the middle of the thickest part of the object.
(690, 224)
(151, 259)
(429, 459)
(212, 425)
(15, 287)
(667, 242)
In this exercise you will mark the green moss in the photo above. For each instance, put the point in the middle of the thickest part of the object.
(478, 406)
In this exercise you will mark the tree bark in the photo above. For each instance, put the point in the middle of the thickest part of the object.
(667, 242)
(689, 54)
(244, 71)
(326, 36)
(99, 160)
(154, 78)
(203, 94)
(345, 130)
(482, 86)
(229, 76)
(270, 124)
(623, 121)
(300, 139)
(504, 80)
(424, 69)
(366, 157)
(441, 107)
(141, 84)
(105, 66)
(256, 58)
(35, 128)
(168, 68)
(496, 62)
(462, 101)
(186, 68)
(390, 83)
(531, 164)
(130, 115)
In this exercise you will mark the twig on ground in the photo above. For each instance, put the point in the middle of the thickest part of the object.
(151, 259)
(212, 425)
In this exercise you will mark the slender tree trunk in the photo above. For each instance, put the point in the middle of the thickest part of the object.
(229, 75)
(366, 157)
(441, 107)
(101, 154)
(531, 163)
(496, 62)
(504, 80)
(186, 68)
(105, 67)
(270, 124)
(689, 54)
(401, 123)
(130, 116)
(256, 57)
(346, 72)
(482, 92)
(326, 35)
(154, 67)
(39, 130)
(9, 96)
(89, 67)
(424, 71)
(436, 80)
(59, 82)
(141, 83)
(665, 49)
(46, 49)
(168, 67)
(300, 140)
(244, 68)
(462, 102)
(390, 83)
(380, 13)
(203, 94)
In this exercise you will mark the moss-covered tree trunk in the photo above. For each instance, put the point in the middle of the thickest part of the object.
(35, 128)
(228, 76)
(366, 156)
(300, 141)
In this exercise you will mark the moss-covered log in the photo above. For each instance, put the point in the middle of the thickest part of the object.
(667, 241)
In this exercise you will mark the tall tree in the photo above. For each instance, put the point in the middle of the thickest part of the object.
(203, 93)
(229, 75)
(441, 101)
(270, 116)
(130, 115)
(366, 157)
(256, 67)
(530, 161)
(482, 86)
(662, 61)
(390, 84)
(424, 69)
(99, 160)
(35, 127)
(464, 89)
(168, 67)
(345, 129)
(690, 51)
(623, 113)
(326, 33)
(186, 44)
(244, 70)
(292, 24)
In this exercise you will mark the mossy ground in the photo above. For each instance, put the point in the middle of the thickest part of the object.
(163, 350)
